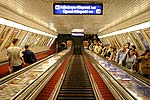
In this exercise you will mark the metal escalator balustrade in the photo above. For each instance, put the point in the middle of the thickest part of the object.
(76, 84)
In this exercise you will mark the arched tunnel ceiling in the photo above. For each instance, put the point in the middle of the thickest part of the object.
(117, 14)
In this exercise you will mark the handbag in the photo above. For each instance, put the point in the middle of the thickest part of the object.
(10, 68)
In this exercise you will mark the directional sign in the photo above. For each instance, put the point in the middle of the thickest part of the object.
(77, 9)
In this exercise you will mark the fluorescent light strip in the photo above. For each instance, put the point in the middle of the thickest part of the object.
(77, 34)
(133, 28)
(20, 26)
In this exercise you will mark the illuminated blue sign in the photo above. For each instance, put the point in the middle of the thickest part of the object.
(77, 9)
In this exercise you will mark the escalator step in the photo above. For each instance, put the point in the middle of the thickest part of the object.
(79, 87)
(76, 95)
(76, 91)
(75, 98)
(77, 82)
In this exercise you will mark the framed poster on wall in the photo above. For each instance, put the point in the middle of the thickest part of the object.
(40, 38)
(136, 40)
(128, 38)
(147, 31)
(36, 39)
(112, 42)
(2, 27)
(21, 37)
(12, 35)
(105, 41)
(117, 44)
(121, 39)
(4, 33)
(144, 41)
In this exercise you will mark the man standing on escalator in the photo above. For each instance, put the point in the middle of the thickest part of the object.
(14, 56)
(29, 56)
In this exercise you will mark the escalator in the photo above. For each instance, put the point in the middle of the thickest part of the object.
(76, 84)
(73, 77)
(61, 77)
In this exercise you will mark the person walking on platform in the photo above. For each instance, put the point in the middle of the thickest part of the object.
(29, 56)
(14, 56)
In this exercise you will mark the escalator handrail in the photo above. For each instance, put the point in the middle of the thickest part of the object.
(15, 74)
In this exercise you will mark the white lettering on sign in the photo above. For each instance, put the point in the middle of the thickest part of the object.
(67, 11)
(72, 7)
(76, 11)
(90, 12)
(83, 7)
(93, 7)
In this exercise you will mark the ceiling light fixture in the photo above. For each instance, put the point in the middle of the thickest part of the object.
(23, 27)
(132, 28)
